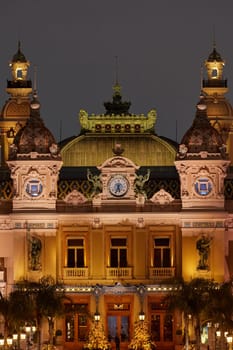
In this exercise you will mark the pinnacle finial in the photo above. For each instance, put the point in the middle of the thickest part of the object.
(35, 104)
(116, 87)
(201, 76)
(35, 79)
(214, 39)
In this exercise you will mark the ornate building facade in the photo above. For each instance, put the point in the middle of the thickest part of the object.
(117, 212)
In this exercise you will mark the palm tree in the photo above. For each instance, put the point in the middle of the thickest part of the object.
(220, 308)
(15, 310)
(49, 301)
(47, 298)
(5, 312)
(191, 298)
(21, 309)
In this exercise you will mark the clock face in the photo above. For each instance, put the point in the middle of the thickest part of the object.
(118, 185)
(203, 186)
(34, 188)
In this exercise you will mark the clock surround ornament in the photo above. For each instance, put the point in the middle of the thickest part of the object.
(117, 176)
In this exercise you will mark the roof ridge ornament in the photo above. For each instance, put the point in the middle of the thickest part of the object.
(118, 150)
(117, 106)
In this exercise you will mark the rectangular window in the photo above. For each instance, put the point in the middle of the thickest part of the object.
(75, 252)
(118, 252)
(162, 252)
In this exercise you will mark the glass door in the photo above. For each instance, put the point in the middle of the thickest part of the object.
(162, 328)
(76, 325)
(118, 331)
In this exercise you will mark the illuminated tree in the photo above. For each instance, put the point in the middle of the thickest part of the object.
(96, 337)
(141, 338)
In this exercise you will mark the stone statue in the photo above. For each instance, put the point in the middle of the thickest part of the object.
(96, 181)
(83, 118)
(35, 248)
(203, 247)
(139, 182)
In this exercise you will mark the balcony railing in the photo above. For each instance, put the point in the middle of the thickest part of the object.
(116, 272)
(75, 273)
(214, 83)
(26, 84)
(162, 272)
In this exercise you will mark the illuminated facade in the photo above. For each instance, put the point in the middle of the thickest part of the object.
(116, 212)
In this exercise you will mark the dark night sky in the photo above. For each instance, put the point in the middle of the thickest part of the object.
(160, 45)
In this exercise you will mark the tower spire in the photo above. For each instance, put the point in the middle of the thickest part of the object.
(214, 38)
(116, 70)
(117, 106)
(116, 87)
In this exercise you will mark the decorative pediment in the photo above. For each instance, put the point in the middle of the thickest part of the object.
(75, 198)
(118, 162)
(162, 197)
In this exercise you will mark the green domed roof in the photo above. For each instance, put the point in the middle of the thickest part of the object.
(142, 149)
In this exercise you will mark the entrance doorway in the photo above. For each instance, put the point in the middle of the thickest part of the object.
(75, 325)
(118, 331)
(161, 327)
(118, 320)
(162, 323)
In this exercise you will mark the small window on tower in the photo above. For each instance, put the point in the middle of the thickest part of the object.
(19, 73)
(214, 73)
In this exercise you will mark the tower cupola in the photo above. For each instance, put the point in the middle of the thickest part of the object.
(202, 164)
(34, 162)
(117, 106)
(215, 83)
(16, 109)
(19, 85)
(34, 137)
(219, 109)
